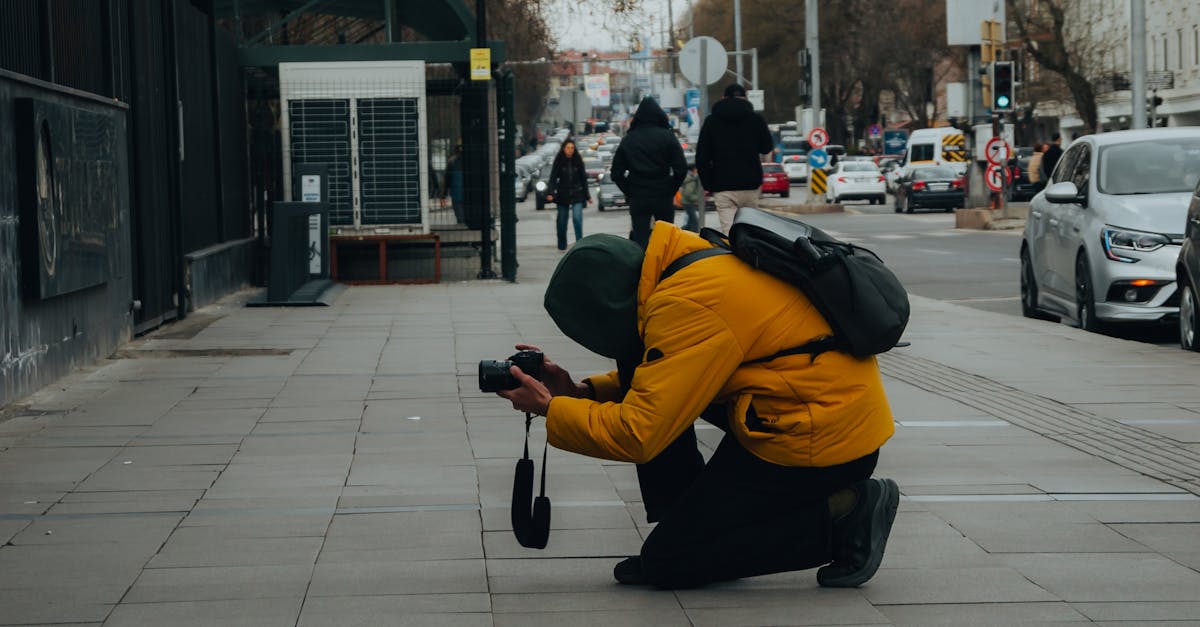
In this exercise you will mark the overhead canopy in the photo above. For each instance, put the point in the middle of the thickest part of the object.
(436, 20)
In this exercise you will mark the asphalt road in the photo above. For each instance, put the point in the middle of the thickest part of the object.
(978, 269)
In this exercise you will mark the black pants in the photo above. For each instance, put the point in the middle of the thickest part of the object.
(644, 211)
(738, 516)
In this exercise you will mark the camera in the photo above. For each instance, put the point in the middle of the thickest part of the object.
(494, 375)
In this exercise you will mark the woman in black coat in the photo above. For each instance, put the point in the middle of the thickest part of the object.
(569, 188)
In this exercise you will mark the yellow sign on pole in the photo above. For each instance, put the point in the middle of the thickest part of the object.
(817, 182)
(481, 64)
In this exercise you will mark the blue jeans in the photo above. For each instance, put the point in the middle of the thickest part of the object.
(576, 209)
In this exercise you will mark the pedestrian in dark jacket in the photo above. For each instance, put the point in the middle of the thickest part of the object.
(1051, 156)
(649, 166)
(569, 188)
(729, 153)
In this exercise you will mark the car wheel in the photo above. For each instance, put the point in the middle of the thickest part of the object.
(1029, 291)
(881, 200)
(786, 194)
(908, 204)
(896, 204)
(599, 206)
(1085, 297)
(540, 204)
(1189, 319)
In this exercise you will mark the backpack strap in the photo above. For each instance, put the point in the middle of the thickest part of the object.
(689, 259)
(814, 349)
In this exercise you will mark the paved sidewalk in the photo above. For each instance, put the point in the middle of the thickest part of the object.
(338, 466)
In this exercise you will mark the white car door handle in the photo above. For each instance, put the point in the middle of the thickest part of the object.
(1053, 222)
(1195, 221)
(1036, 214)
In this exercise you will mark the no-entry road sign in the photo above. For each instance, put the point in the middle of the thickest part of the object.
(997, 151)
(818, 138)
(996, 177)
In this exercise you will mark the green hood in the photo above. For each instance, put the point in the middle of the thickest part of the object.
(592, 296)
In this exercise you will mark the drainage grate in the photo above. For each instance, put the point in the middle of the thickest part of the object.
(1129, 446)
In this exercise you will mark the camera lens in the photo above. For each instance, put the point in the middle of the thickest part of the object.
(494, 376)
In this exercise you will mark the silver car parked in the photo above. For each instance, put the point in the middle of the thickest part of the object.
(1102, 239)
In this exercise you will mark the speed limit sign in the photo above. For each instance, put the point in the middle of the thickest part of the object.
(818, 137)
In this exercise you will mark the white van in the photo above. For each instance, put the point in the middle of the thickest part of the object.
(936, 146)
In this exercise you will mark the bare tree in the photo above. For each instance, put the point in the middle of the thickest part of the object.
(1061, 37)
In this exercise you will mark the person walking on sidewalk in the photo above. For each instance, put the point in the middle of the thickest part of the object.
(690, 197)
(649, 166)
(1051, 156)
(789, 487)
(729, 154)
(569, 189)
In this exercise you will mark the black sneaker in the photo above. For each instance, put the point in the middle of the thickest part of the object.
(629, 572)
(861, 535)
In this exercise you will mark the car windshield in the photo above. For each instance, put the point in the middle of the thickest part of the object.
(1160, 166)
(772, 167)
(933, 174)
(593, 164)
(859, 166)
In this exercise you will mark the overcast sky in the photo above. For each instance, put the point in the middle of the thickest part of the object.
(590, 24)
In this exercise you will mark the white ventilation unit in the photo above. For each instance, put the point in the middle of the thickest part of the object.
(365, 120)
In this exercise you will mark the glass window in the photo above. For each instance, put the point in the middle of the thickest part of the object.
(854, 166)
(1062, 170)
(921, 152)
(1179, 59)
(1158, 167)
(1081, 170)
(933, 174)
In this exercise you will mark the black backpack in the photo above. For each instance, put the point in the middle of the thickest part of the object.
(863, 302)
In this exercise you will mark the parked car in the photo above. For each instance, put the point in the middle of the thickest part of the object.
(856, 180)
(775, 181)
(595, 170)
(892, 171)
(609, 195)
(1022, 188)
(796, 168)
(933, 187)
(1187, 274)
(541, 187)
(1102, 241)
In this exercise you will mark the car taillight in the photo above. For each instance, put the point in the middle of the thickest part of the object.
(841, 179)
(918, 186)
(959, 183)
(881, 179)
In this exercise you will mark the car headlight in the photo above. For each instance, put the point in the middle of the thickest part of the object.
(540, 186)
(1115, 240)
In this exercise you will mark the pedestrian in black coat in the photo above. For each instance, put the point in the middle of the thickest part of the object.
(649, 166)
(729, 153)
(568, 187)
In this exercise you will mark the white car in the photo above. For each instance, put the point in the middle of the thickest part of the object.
(856, 180)
(796, 168)
(1101, 241)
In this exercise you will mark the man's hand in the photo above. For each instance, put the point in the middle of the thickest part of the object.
(532, 396)
(557, 380)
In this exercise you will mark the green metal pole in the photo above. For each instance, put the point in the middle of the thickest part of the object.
(508, 163)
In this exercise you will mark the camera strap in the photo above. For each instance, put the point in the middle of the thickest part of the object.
(531, 528)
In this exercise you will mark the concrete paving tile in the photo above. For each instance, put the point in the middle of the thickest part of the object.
(595, 618)
(1032, 528)
(1138, 623)
(624, 597)
(922, 540)
(339, 410)
(84, 568)
(334, 579)
(10, 527)
(190, 547)
(813, 610)
(248, 523)
(132, 477)
(568, 543)
(147, 531)
(536, 575)
(25, 608)
(366, 496)
(453, 478)
(176, 455)
(1000, 488)
(906, 586)
(250, 490)
(159, 585)
(305, 427)
(55, 436)
(1140, 611)
(279, 444)
(1141, 511)
(1110, 577)
(52, 465)
(236, 612)
(400, 609)
(981, 614)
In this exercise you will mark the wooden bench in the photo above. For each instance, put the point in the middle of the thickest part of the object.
(381, 243)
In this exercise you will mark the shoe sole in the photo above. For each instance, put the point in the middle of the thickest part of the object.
(881, 529)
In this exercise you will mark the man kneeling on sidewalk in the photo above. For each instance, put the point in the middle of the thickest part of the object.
(789, 487)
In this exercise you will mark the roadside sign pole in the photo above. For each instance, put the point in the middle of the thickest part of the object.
(703, 113)
(998, 197)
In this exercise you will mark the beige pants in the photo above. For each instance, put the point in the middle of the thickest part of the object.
(730, 201)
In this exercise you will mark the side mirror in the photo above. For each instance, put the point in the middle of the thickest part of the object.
(1064, 193)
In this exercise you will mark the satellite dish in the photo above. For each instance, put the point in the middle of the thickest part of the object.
(716, 60)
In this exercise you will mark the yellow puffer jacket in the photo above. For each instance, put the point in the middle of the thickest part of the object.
(699, 327)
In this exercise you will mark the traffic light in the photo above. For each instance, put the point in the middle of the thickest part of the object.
(1002, 86)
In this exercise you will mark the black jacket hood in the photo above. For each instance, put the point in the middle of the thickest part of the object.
(649, 114)
(733, 109)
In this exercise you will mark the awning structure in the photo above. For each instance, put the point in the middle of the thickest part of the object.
(446, 26)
